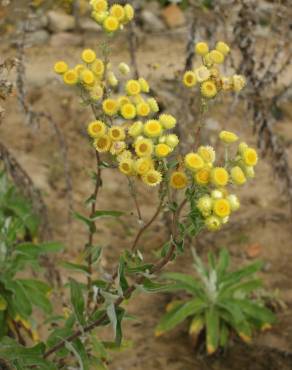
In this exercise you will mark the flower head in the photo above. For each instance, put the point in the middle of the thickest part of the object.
(233, 201)
(153, 105)
(213, 223)
(136, 129)
(216, 56)
(97, 67)
(205, 204)
(143, 147)
(152, 178)
(228, 137)
(129, 12)
(208, 89)
(237, 175)
(250, 157)
(70, 77)
(126, 166)
(167, 121)
(117, 11)
(201, 48)
(189, 79)
(117, 133)
(222, 47)
(128, 111)
(61, 67)
(207, 153)
(152, 128)
(178, 180)
(133, 87)
(88, 56)
(172, 140)
(162, 150)
(221, 208)
(102, 143)
(193, 161)
(87, 77)
(110, 107)
(202, 74)
(144, 85)
(117, 147)
(143, 165)
(219, 176)
(99, 5)
(111, 24)
(202, 177)
(124, 68)
(143, 109)
(238, 82)
(96, 129)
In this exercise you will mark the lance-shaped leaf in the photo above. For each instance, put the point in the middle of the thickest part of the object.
(103, 214)
(77, 301)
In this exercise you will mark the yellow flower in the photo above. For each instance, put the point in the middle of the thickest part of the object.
(143, 147)
(87, 77)
(216, 194)
(202, 177)
(128, 111)
(189, 79)
(202, 74)
(102, 144)
(123, 155)
(96, 129)
(124, 68)
(237, 175)
(172, 140)
(97, 67)
(117, 11)
(162, 150)
(143, 109)
(79, 68)
(123, 100)
(201, 48)
(222, 47)
(143, 165)
(99, 5)
(228, 137)
(221, 208)
(153, 104)
(144, 85)
(96, 92)
(99, 17)
(133, 87)
(250, 157)
(61, 67)
(208, 89)
(110, 107)
(193, 161)
(126, 166)
(111, 24)
(117, 133)
(241, 147)
(233, 201)
(113, 81)
(205, 204)
(249, 172)
(152, 128)
(167, 121)
(216, 56)
(152, 178)
(117, 147)
(238, 82)
(70, 77)
(129, 12)
(178, 180)
(207, 153)
(136, 129)
(213, 223)
(219, 176)
(88, 56)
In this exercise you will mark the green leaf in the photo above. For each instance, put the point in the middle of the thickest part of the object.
(179, 314)
(77, 301)
(34, 250)
(98, 348)
(75, 267)
(189, 283)
(121, 276)
(223, 263)
(3, 303)
(234, 277)
(87, 221)
(241, 289)
(233, 309)
(36, 292)
(79, 352)
(20, 301)
(255, 311)
(153, 287)
(102, 214)
(212, 329)
(224, 333)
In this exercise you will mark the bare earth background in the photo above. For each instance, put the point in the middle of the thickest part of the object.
(263, 223)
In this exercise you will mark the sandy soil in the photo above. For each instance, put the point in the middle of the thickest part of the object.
(263, 219)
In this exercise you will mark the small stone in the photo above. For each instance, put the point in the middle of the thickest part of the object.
(65, 39)
(36, 23)
(151, 22)
(88, 25)
(37, 38)
(253, 250)
(59, 22)
(173, 16)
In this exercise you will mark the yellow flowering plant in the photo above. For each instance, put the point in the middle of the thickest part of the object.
(130, 134)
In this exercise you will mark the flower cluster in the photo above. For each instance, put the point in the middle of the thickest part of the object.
(217, 203)
(139, 139)
(111, 18)
(208, 75)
